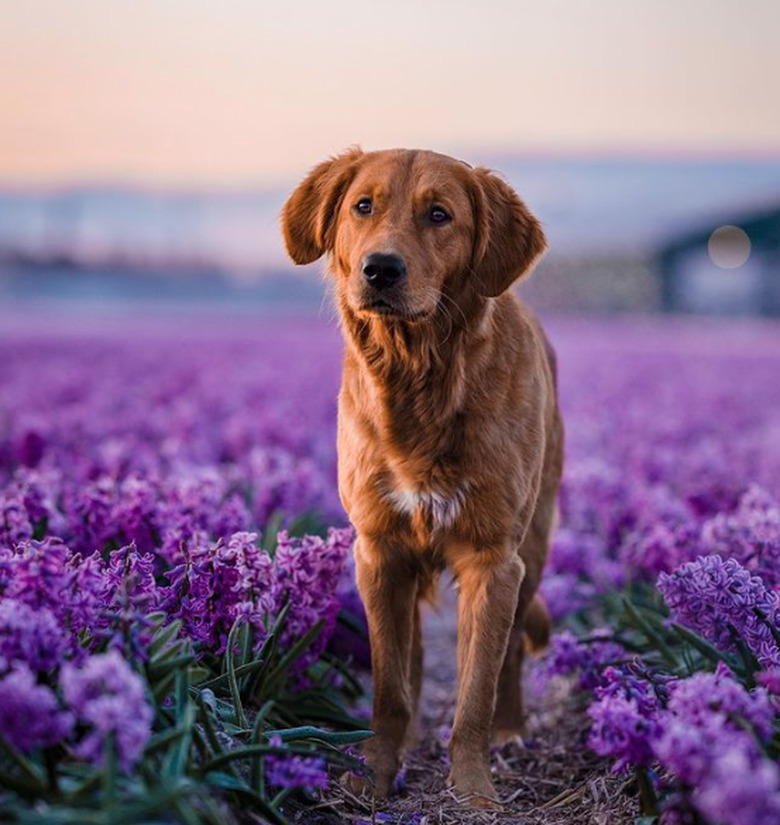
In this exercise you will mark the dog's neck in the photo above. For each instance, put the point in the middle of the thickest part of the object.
(418, 373)
(426, 350)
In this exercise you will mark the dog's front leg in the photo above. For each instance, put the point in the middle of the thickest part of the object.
(387, 583)
(489, 580)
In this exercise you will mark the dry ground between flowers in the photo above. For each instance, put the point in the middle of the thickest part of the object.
(552, 779)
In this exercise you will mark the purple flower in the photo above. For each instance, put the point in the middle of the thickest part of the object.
(711, 596)
(568, 654)
(308, 574)
(304, 772)
(107, 698)
(698, 697)
(740, 790)
(31, 636)
(660, 548)
(30, 716)
(215, 585)
(751, 534)
(704, 722)
(38, 573)
(622, 730)
(770, 679)
(580, 569)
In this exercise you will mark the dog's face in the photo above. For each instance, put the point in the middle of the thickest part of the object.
(405, 227)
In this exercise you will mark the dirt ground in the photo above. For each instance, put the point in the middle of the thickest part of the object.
(550, 779)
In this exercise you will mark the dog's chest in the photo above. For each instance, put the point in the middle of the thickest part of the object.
(436, 509)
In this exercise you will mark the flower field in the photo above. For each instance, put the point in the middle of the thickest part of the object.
(178, 634)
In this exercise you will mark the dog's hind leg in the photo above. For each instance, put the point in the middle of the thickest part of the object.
(529, 633)
(530, 630)
(415, 680)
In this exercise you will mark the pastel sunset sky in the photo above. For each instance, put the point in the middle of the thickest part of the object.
(241, 92)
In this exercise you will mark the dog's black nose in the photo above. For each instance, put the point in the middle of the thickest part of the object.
(382, 269)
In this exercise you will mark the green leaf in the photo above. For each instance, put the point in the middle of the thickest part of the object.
(33, 777)
(228, 782)
(701, 645)
(109, 774)
(270, 535)
(164, 637)
(749, 661)
(287, 661)
(311, 732)
(352, 623)
(235, 693)
(773, 628)
(655, 638)
(178, 759)
(257, 778)
(648, 800)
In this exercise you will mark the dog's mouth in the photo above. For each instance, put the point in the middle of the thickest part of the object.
(391, 311)
(381, 307)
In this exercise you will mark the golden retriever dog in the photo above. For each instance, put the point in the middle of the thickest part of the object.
(450, 440)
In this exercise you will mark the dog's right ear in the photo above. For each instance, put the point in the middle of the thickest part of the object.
(309, 215)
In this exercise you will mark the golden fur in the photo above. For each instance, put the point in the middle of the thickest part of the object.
(450, 440)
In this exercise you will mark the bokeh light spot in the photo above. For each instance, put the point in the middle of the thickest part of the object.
(729, 247)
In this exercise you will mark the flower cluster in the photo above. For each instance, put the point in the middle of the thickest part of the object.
(108, 699)
(138, 475)
(671, 492)
(722, 601)
(144, 472)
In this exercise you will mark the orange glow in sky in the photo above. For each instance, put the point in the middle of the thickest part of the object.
(237, 92)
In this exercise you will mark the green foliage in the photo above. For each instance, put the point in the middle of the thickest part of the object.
(212, 732)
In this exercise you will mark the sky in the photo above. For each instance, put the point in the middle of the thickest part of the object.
(231, 93)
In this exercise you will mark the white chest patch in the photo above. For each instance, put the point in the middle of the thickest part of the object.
(440, 509)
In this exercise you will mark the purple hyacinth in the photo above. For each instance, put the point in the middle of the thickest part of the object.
(623, 730)
(292, 772)
(215, 584)
(567, 654)
(30, 636)
(625, 716)
(750, 534)
(30, 715)
(580, 569)
(700, 696)
(661, 547)
(710, 594)
(706, 719)
(739, 790)
(308, 575)
(108, 698)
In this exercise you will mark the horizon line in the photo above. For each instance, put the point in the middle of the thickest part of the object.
(255, 184)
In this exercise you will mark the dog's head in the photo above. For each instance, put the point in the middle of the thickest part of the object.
(402, 227)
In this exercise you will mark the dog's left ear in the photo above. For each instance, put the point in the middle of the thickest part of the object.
(508, 240)
(309, 215)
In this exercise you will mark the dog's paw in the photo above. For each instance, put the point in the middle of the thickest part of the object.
(474, 787)
(377, 782)
(359, 785)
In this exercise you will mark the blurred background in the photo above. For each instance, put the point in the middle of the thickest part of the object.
(146, 147)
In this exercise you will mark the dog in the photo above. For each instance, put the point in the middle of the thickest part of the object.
(450, 440)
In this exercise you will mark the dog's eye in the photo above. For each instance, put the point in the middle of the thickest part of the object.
(364, 206)
(439, 215)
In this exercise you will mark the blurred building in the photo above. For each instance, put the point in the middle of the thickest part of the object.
(731, 267)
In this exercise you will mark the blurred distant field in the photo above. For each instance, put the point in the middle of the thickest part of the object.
(610, 221)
